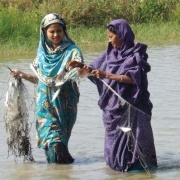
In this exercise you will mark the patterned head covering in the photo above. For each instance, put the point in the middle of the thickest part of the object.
(51, 19)
(50, 62)
(48, 20)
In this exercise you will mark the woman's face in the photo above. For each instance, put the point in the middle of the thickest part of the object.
(55, 34)
(114, 39)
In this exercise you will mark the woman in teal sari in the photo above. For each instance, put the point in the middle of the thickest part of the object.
(56, 106)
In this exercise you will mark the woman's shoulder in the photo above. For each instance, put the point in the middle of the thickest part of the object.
(140, 47)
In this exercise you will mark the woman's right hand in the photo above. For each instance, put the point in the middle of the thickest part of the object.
(17, 73)
(99, 74)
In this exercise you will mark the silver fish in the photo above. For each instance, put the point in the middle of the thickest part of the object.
(72, 74)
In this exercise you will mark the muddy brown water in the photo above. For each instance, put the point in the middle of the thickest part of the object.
(86, 142)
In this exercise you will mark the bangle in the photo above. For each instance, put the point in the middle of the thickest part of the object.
(121, 78)
(107, 76)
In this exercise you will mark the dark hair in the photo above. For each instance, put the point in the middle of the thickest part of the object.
(111, 28)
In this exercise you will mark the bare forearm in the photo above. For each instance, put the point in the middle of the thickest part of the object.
(30, 78)
(120, 78)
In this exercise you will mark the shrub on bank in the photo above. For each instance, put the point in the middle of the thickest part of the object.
(98, 12)
(20, 19)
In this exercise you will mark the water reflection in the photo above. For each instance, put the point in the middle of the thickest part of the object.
(86, 143)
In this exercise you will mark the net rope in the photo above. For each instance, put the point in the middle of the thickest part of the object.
(16, 122)
(137, 140)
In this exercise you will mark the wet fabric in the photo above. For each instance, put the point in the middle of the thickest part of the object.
(59, 154)
(130, 60)
(55, 117)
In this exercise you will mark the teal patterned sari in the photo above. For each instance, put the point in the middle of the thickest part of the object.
(55, 119)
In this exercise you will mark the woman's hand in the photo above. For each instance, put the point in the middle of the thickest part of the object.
(117, 77)
(75, 63)
(17, 73)
(99, 74)
(84, 71)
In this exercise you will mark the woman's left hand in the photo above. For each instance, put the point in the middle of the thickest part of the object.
(99, 74)
(74, 63)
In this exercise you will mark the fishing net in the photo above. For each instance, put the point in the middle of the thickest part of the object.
(140, 141)
(16, 115)
(136, 125)
(16, 121)
(71, 74)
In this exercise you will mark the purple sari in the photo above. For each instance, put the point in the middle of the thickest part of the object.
(125, 151)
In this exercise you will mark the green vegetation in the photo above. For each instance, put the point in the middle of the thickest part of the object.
(153, 21)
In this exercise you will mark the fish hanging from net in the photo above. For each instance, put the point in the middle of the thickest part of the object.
(58, 80)
(16, 121)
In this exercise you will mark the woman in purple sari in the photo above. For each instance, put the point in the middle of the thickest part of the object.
(123, 67)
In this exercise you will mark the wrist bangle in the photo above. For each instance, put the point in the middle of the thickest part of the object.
(121, 78)
(107, 76)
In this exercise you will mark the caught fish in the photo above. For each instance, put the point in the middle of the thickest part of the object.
(16, 121)
(124, 129)
(72, 74)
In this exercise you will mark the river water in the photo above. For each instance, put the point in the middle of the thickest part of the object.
(86, 142)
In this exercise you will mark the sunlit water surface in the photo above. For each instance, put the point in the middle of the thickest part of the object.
(86, 143)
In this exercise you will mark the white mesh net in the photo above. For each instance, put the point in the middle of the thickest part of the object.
(16, 121)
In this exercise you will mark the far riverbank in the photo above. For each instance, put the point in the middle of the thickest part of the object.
(95, 38)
